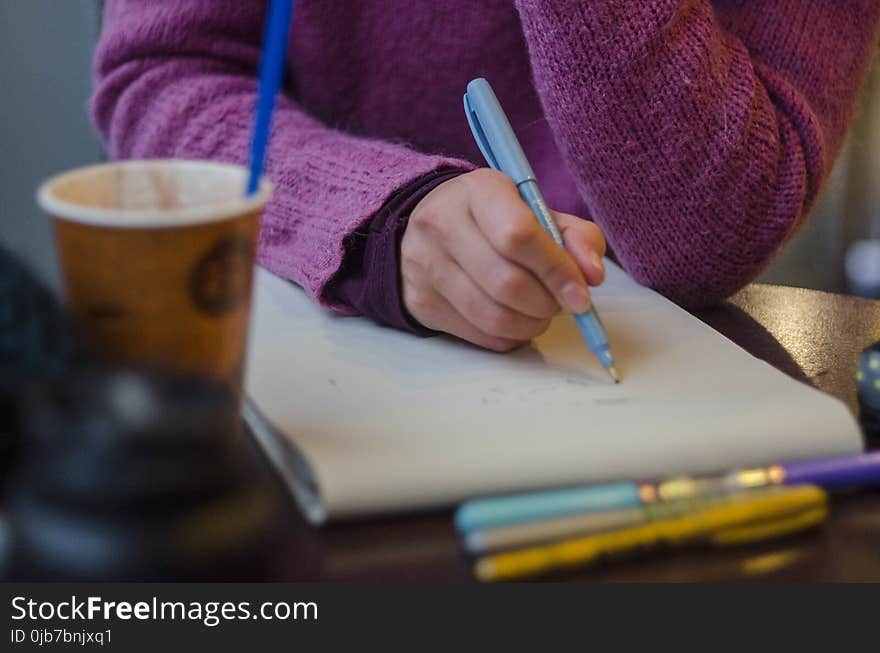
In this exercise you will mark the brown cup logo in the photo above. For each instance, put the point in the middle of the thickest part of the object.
(219, 281)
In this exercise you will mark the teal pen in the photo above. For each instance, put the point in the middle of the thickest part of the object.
(493, 512)
(500, 147)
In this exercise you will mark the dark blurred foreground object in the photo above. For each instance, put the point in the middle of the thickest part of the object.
(869, 392)
(38, 343)
(128, 476)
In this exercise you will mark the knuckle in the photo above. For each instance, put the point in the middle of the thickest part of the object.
(428, 218)
(515, 234)
(497, 321)
(510, 284)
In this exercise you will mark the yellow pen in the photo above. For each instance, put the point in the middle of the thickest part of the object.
(748, 517)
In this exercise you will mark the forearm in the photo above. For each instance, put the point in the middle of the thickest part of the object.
(698, 138)
(179, 80)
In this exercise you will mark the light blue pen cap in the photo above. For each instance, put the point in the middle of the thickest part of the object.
(493, 133)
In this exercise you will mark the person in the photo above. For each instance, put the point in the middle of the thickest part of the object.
(693, 135)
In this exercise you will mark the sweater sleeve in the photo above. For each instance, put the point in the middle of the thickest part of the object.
(699, 133)
(369, 279)
(178, 79)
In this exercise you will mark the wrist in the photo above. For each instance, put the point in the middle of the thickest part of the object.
(369, 281)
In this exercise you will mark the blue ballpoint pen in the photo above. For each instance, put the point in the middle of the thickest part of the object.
(502, 151)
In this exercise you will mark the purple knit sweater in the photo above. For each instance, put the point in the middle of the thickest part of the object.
(695, 133)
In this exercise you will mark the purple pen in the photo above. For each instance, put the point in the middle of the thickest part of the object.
(831, 473)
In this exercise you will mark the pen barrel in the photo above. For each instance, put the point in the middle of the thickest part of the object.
(588, 322)
(594, 333)
(493, 512)
(846, 471)
(531, 195)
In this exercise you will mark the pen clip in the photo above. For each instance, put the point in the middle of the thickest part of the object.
(479, 134)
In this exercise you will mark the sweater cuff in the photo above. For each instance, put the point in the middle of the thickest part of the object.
(368, 280)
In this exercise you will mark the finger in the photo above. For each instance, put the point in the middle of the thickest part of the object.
(480, 309)
(514, 232)
(508, 284)
(440, 315)
(585, 242)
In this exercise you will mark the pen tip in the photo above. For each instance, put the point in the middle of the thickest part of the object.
(612, 371)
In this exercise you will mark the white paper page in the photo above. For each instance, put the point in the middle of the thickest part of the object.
(389, 421)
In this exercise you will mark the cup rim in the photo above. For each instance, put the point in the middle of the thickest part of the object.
(150, 218)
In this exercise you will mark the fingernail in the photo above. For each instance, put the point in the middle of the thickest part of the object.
(576, 297)
(596, 262)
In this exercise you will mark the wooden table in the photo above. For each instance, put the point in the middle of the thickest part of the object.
(813, 336)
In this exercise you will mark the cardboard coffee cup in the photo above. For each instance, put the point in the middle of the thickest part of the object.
(157, 260)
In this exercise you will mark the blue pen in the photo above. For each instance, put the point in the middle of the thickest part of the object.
(502, 151)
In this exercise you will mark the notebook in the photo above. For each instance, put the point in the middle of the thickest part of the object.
(360, 419)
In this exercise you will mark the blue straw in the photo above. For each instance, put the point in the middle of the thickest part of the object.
(272, 61)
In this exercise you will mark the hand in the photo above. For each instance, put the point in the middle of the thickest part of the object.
(477, 264)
